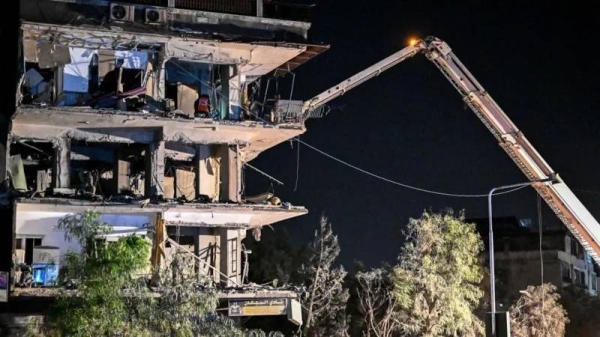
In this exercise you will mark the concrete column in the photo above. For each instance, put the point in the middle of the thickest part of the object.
(198, 166)
(237, 173)
(61, 169)
(198, 264)
(59, 83)
(231, 172)
(259, 8)
(155, 169)
(162, 60)
(208, 171)
(121, 171)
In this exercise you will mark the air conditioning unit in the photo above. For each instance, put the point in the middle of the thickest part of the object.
(157, 16)
(122, 12)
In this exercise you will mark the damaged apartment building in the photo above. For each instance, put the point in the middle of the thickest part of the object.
(148, 112)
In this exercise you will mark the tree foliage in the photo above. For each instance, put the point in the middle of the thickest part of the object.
(112, 296)
(326, 297)
(436, 282)
(538, 313)
(187, 303)
(583, 312)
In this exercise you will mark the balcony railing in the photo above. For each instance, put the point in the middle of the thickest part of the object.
(285, 111)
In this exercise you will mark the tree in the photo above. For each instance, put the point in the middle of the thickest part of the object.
(100, 272)
(538, 313)
(112, 297)
(376, 303)
(436, 282)
(326, 298)
(187, 303)
(583, 311)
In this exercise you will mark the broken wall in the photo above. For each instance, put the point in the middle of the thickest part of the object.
(33, 221)
(81, 74)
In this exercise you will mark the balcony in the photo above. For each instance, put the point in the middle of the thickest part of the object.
(44, 124)
(92, 94)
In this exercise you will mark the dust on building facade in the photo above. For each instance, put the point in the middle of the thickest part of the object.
(148, 112)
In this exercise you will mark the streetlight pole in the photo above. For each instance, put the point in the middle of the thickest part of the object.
(491, 245)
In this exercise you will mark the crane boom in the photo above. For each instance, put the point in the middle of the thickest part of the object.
(359, 78)
(556, 193)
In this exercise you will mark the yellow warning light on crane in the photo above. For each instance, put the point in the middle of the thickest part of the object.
(413, 41)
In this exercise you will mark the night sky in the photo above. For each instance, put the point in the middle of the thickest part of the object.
(409, 124)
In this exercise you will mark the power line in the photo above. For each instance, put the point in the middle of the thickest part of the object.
(415, 188)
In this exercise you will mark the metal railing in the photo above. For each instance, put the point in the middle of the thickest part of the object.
(285, 111)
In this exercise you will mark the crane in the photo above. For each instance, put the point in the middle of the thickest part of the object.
(555, 192)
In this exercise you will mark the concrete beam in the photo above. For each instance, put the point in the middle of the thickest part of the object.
(61, 169)
(155, 169)
(47, 123)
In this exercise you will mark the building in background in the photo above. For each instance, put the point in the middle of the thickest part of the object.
(518, 258)
(149, 112)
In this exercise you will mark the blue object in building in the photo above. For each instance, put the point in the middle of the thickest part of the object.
(45, 274)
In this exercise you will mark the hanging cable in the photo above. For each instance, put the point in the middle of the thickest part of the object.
(415, 188)
(411, 187)
(297, 165)
(263, 173)
(272, 188)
